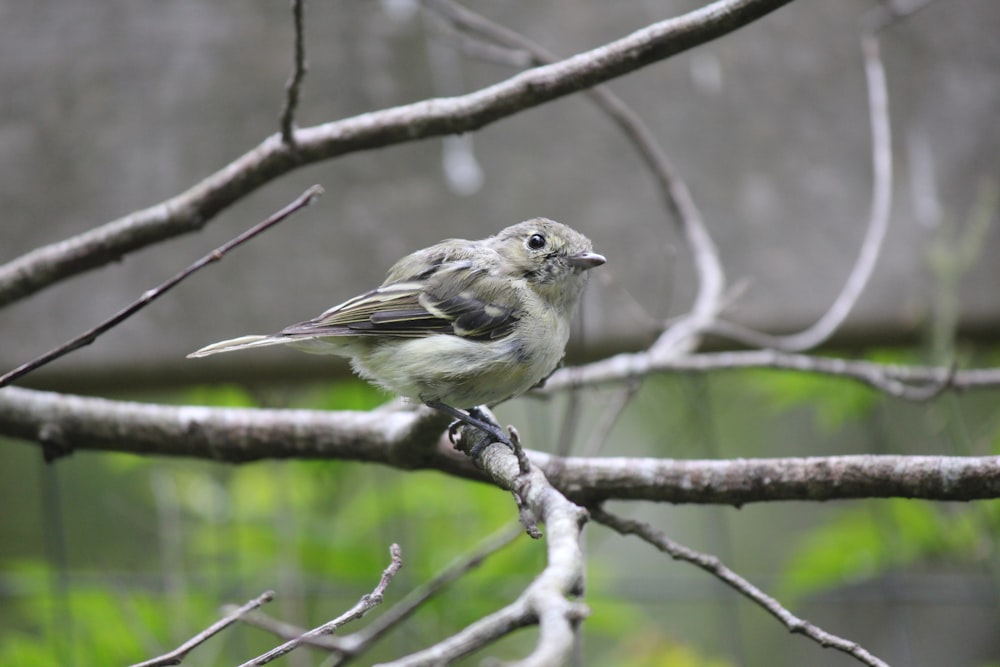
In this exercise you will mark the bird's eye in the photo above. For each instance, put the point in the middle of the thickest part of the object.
(536, 241)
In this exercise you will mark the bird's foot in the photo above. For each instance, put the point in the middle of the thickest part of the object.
(491, 431)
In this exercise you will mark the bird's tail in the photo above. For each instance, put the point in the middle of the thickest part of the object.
(241, 343)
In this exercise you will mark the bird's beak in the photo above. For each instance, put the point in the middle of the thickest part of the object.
(586, 260)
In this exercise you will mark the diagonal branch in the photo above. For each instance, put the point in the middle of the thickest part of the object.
(367, 602)
(717, 568)
(356, 642)
(349, 647)
(191, 210)
(178, 654)
(88, 337)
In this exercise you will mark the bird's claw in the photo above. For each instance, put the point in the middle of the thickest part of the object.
(453, 431)
(488, 429)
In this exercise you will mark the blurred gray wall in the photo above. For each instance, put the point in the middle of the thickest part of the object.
(106, 107)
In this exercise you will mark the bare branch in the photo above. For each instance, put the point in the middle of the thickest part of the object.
(284, 630)
(915, 383)
(363, 606)
(62, 424)
(480, 49)
(740, 481)
(190, 210)
(151, 295)
(602, 430)
(715, 567)
(355, 643)
(547, 601)
(878, 222)
(483, 632)
(176, 656)
(294, 85)
(349, 647)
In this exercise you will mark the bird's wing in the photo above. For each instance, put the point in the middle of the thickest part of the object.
(461, 297)
(392, 310)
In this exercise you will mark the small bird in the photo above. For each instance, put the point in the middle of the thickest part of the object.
(458, 324)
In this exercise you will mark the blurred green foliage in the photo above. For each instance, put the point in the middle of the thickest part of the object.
(864, 542)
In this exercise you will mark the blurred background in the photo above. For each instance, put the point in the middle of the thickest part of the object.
(106, 107)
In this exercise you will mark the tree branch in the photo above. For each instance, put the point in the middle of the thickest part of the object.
(356, 642)
(740, 481)
(549, 599)
(878, 222)
(192, 209)
(717, 568)
(178, 654)
(63, 423)
(413, 440)
(351, 646)
(294, 85)
(367, 602)
(151, 295)
(907, 382)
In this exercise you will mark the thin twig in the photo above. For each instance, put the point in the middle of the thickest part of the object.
(177, 655)
(349, 647)
(480, 49)
(287, 631)
(355, 643)
(609, 417)
(715, 567)
(522, 459)
(878, 222)
(149, 296)
(363, 606)
(912, 383)
(570, 421)
(293, 86)
(526, 513)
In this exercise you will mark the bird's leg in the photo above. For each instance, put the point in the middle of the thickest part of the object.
(476, 418)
